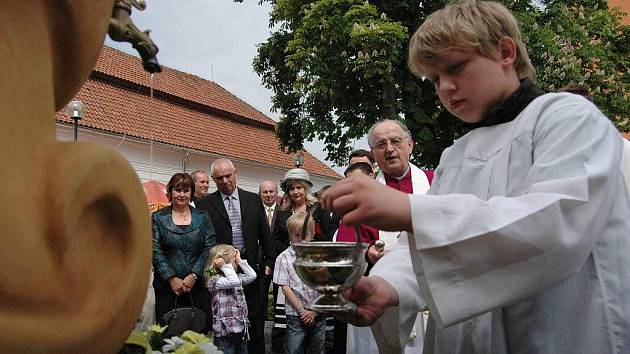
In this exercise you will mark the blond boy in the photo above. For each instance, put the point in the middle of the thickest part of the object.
(521, 245)
(306, 330)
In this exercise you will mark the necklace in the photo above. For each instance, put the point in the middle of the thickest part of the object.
(299, 210)
(184, 215)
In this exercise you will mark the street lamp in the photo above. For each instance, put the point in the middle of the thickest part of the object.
(298, 160)
(76, 111)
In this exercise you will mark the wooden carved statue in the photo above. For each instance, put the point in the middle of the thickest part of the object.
(75, 241)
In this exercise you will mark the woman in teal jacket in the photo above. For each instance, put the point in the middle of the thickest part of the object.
(182, 238)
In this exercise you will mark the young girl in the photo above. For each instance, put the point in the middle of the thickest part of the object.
(229, 309)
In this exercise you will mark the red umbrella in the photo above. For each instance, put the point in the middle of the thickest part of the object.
(155, 192)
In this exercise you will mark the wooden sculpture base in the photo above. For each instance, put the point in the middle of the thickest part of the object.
(75, 242)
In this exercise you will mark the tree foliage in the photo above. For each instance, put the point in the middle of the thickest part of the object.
(584, 44)
(338, 66)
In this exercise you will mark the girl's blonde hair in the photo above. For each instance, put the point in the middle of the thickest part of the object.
(227, 252)
(295, 223)
(469, 24)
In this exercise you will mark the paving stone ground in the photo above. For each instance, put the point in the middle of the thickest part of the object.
(268, 326)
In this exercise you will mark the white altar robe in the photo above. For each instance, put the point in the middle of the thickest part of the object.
(523, 244)
(374, 340)
(625, 163)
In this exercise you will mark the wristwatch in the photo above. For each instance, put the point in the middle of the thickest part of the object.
(194, 275)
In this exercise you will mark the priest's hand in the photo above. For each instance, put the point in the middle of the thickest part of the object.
(371, 295)
(374, 254)
(362, 200)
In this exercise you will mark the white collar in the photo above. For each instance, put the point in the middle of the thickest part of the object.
(419, 179)
(403, 175)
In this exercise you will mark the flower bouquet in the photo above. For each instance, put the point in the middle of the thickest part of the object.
(153, 341)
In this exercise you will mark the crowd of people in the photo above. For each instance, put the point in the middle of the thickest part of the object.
(222, 251)
(518, 246)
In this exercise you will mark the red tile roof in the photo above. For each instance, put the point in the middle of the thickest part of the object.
(186, 111)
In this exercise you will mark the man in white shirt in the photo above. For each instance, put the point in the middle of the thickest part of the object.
(239, 220)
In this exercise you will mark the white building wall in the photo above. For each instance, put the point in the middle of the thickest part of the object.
(162, 160)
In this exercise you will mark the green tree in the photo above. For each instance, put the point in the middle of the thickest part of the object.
(338, 66)
(582, 43)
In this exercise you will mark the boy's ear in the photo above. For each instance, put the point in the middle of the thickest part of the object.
(507, 51)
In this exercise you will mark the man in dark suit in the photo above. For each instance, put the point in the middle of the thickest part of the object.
(239, 220)
(268, 192)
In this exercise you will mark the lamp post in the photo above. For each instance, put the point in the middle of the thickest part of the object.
(298, 160)
(76, 111)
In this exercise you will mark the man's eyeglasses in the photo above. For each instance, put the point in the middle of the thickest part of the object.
(395, 141)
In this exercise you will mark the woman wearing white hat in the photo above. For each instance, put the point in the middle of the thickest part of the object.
(297, 185)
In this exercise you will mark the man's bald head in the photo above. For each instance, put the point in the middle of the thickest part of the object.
(268, 190)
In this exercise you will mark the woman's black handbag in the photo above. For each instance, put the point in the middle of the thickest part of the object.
(182, 319)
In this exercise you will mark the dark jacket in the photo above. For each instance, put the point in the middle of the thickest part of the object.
(253, 221)
(178, 252)
(324, 231)
(274, 220)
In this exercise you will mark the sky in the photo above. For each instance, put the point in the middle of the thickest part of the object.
(215, 40)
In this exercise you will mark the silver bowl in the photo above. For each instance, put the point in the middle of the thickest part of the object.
(329, 268)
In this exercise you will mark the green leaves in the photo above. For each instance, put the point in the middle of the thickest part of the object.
(334, 73)
(338, 66)
(584, 43)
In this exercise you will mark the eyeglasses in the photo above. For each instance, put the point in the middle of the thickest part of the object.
(395, 141)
